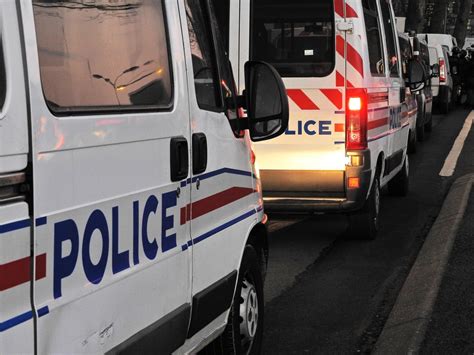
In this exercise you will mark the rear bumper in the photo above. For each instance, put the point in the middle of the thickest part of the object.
(316, 191)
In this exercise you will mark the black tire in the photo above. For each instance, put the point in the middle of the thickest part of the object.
(237, 337)
(365, 223)
(400, 184)
(412, 142)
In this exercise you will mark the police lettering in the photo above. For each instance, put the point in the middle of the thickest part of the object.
(67, 237)
(310, 128)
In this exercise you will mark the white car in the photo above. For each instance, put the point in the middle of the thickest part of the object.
(131, 215)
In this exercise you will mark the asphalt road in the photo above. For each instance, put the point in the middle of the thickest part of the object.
(325, 294)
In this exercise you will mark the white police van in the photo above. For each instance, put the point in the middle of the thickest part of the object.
(347, 136)
(131, 215)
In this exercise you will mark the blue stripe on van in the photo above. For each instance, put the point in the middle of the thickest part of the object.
(22, 318)
(222, 227)
(216, 173)
(14, 226)
(10, 323)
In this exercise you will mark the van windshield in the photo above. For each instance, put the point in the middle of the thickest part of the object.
(296, 37)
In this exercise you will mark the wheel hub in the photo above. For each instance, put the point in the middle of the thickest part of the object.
(248, 312)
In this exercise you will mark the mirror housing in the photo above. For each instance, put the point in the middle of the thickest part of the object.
(266, 101)
(435, 70)
(416, 75)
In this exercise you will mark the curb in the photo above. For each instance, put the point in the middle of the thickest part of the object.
(405, 328)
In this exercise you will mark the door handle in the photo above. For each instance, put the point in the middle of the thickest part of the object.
(179, 158)
(199, 153)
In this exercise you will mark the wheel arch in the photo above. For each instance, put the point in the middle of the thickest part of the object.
(258, 239)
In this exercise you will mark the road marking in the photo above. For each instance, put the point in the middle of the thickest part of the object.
(452, 159)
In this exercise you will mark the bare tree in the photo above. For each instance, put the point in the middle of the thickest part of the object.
(439, 17)
(415, 15)
(462, 19)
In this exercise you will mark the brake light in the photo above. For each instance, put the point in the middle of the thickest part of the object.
(442, 71)
(356, 119)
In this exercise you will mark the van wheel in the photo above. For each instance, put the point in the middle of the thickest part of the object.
(365, 223)
(399, 185)
(412, 142)
(244, 330)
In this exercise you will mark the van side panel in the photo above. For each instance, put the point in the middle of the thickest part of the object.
(109, 214)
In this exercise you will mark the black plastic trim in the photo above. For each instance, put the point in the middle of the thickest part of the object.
(161, 337)
(212, 302)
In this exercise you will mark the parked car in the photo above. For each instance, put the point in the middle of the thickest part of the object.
(347, 136)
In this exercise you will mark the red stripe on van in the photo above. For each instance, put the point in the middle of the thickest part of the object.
(340, 45)
(339, 79)
(334, 95)
(214, 202)
(17, 272)
(301, 99)
(350, 12)
(353, 57)
(339, 7)
(377, 123)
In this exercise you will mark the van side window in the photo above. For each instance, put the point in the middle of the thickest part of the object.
(389, 25)
(101, 55)
(406, 54)
(372, 27)
(222, 10)
(3, 77)
(296, 37)
(203, 55)
(228, 87)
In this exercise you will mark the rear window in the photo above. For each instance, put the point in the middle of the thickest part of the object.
(296, 37)
(101, 55)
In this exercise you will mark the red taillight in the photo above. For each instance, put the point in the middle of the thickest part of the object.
(442, 71)
(356, 119)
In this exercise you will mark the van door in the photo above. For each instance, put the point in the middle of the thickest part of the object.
(222, 187)
(110, 123)
(300, 39)
(16, 314)
(398, 138)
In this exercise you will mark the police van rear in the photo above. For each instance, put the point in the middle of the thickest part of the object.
(347, 134)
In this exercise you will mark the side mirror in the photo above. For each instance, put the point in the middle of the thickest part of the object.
(416, 75)
(435, 70)
(266, 101)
